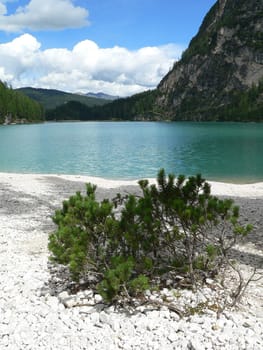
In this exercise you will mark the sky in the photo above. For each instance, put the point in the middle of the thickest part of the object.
(119, 47)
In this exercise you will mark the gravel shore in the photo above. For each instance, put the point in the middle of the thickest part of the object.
(31, 319)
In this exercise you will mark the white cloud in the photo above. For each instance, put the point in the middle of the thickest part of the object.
(3, 9)
(86, 67)
(43, 15)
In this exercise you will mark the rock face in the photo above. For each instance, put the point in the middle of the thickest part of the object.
(222, 65)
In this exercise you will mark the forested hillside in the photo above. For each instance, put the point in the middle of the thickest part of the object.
(219, 77)
(16, 107)
(50, 98)
(136, 107)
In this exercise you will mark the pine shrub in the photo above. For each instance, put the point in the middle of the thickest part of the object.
(175, 227)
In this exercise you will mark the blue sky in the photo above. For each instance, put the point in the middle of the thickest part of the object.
(119, 47)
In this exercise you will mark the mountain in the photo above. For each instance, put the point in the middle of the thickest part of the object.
(52, 98)
(102, 95)
(220, 75)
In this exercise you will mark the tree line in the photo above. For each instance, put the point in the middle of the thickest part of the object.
(136, 107)
(242, 106)
(16, 107)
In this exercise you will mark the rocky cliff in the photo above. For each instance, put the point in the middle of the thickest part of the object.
(221, 73)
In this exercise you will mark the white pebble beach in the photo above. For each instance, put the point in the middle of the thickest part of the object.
(31, 320)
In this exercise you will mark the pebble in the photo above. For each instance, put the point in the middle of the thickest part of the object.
(37, 318)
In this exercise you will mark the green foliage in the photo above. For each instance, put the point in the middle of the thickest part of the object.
(174, 227)
(83, 239)
(244, 105)
(116, 279)
(240, 105)
(16, 106)
(138, 106)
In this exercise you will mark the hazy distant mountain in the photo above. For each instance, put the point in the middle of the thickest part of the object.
(102, 95)
(50, 98)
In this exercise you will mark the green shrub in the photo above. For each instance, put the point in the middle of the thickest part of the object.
(174, 227)
(83, 237)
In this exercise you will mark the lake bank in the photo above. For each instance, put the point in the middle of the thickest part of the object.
(31, 320)
(31, 182)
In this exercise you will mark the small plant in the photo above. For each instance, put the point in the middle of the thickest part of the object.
(175, 228)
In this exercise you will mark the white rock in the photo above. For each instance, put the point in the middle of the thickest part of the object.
(194, 328)
(114, 324)
(165, 291)
(88, 293)
(197, 319)
(61, 307)
(172, 337)
(63, 295)
(147, 293)
(196, 344)
(151, 326)
(53, 302)
(209, 281)
(104, 318)
(141, 308)
(80, 295)
(31, 319)
(174, 316)
(165, 313)
(110, 310)
(154, 297)
(94, 318)
(4, 329)
(5, 340)
(128, 329)
(69, 302)
(6, 316)
(87, 309)
(98, 298)
(169, 282)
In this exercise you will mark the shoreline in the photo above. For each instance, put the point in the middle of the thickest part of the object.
(34, 318)
(247, 190)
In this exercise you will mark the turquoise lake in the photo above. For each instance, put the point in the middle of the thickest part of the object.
(231, 152)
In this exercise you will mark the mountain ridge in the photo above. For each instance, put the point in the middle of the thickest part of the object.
(225, 58)
(102, 95)
(52, 98)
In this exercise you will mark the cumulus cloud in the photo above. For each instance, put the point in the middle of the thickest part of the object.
(86, 67)
(43, 15)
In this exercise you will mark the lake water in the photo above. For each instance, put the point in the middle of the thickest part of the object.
(230, 152)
